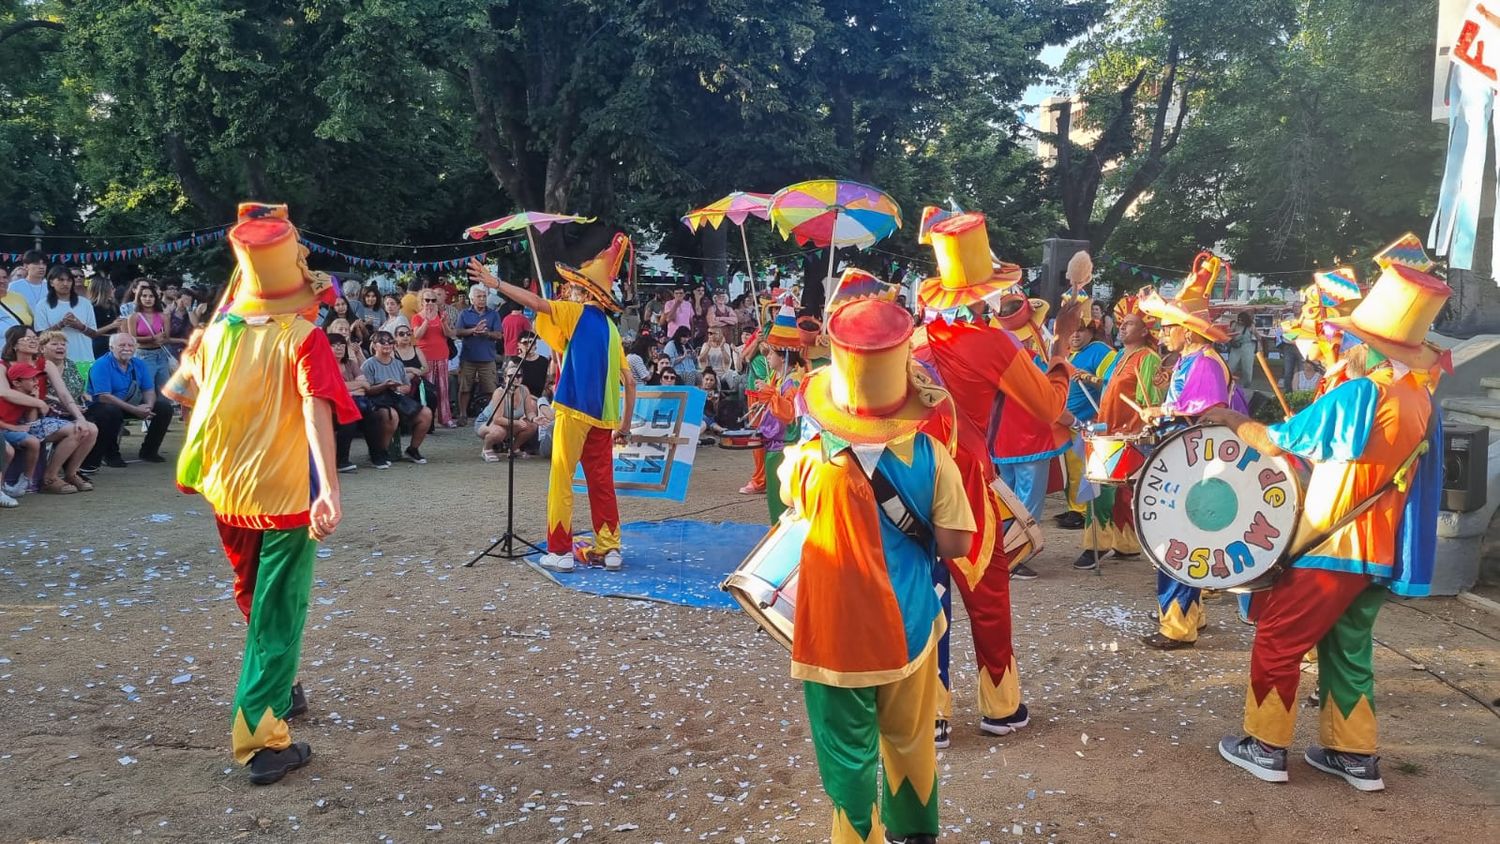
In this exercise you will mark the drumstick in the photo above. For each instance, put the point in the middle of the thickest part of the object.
(1265, 366)
(1132, 405)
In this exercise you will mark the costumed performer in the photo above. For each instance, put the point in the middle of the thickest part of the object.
(1090, 358)
(1362, 438)
(775, 410)
(753, 359)
(591, 380)
(1132, 375)
(1200, 380)
(266, 393)
(882, 501)
(983, 368)
(1023, 444)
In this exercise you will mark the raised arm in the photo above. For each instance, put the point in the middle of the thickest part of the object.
(519, 295)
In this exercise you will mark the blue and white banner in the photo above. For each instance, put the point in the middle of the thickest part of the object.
(658, 460)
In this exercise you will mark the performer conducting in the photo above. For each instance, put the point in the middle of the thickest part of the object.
(882, 501)
(1358, 527)
(266, 392)
(1200, 380)
(587, 401)
(1131, 378)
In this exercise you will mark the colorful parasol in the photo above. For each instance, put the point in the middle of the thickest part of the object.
(534, 222)
(737, 207)
(832, 213)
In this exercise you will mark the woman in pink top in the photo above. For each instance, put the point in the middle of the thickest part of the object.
(430, 333)
(149, 326)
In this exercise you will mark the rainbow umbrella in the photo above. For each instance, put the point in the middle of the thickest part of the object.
(737, 207)
(832, 213)
(534, 222)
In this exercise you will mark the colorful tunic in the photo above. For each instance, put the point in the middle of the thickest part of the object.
(1131, 375)
(778, 426)
(982, 368)
(587, 403)
(867, 627)
(1357, 436)
(247, 453)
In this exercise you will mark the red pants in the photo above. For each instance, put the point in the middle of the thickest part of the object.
(242, 547)
(575, 442)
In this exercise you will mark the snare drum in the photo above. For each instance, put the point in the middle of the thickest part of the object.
(1114, 459)
(1214, 513)
(741, 439)
(765, 584)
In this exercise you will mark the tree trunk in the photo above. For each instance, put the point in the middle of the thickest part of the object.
(209, 203)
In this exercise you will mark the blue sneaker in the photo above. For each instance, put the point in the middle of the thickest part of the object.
(1263, 761)
(1007, 725)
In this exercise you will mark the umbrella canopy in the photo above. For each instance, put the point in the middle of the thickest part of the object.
(827, 212)
(737, 207)
(525, 219)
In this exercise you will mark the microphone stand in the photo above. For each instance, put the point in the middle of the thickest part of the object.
(511, 546)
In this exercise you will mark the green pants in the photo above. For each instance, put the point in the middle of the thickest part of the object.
(854, 730)
(773, 484)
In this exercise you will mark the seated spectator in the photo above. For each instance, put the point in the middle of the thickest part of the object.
(642, 351)
(510, 419)
(1308, 377)
(343, 317)
(122, 387)
(354, 382)
(684, 359)
(713, 402)
(61, 424)
(70, 394)
(418, 368)
(393, 318)
(389, 391)
(16, 416)
(536, 370)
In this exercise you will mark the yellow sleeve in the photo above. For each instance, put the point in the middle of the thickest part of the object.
(950, 506)
(791, 460)
(182, 386)
(556, 328)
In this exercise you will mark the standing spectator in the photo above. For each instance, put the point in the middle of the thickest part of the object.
(677, 313)
(478, 327)
(33, 285)
(1291, 358)
(642, 352)
(536, 370)
(722, 316)
(149, 326)
(106, 317)
(13, 307)
(431, 332)
(63, 309)
(700, 315)
(511, 328)
(368, 308)
(121, 386)
(389, 390)
(392, 318)
(680, 351)
(651, 310)
(510, 419)
(180, 323)
(1243, 344)
(744, 312)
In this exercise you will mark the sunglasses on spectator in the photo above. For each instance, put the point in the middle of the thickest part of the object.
(403, 333)
(668, 376)
(430, 301)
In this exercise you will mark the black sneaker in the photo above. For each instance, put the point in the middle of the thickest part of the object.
(1022, 572)
(1362, 772)
(153, 457)
(415, 456)
(268, 766)
(116, 462)
(347, 468)
(1165, 643)
(1086, 562)
(1264, 762)
(940, 735)
(1121, 555)
(1007, 725)
(380, 463)
(299, 702)
(1070, 521)
(919, 838)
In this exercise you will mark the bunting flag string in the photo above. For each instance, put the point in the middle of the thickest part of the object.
(414, 266)
(132, 253)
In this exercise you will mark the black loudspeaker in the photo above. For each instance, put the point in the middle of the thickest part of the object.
(1466, 455)
(1056, 253)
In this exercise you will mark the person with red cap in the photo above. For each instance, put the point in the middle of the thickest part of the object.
(266, 393)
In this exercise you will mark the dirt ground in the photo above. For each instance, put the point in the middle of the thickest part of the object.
(486, 703)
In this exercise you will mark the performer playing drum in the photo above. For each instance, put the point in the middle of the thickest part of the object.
(1131, 378)
(1199, 381)
(774, 407)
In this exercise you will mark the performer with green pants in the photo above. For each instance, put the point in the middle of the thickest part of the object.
(776, 400)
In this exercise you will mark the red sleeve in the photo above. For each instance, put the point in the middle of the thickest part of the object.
(318, 376)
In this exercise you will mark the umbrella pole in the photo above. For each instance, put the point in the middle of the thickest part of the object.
(749, 279)
(536, 261)
(828, 290)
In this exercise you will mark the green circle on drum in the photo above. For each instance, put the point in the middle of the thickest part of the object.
(1212, 504)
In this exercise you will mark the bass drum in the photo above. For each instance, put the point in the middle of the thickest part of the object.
(1212, 512)
(765, 584)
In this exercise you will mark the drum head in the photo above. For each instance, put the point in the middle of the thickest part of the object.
(1214, 513)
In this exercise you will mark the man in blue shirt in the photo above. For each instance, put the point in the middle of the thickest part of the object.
(123, 389)
(478, 328)
(1091, 359)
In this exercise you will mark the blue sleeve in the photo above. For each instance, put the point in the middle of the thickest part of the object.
(95, 387)
(1335, 427)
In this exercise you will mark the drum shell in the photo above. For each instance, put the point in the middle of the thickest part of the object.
(1115, 459)
(765, 583)
(743, 439)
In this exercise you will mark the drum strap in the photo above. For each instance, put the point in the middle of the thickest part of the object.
(895, 509)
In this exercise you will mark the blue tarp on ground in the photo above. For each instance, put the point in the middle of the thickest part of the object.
(678, 561)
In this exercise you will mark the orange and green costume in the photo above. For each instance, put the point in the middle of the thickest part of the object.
(1357, 435)
(983, 369)
(1110, 524)
(587, 404)
(868, 623)
(247, 453)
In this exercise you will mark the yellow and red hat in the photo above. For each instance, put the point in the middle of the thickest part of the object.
(597, 275)
(1394, 317)
(1190, 307)
(273, 277)
(869, 393)
(966, 272)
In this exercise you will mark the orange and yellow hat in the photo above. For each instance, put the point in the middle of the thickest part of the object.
(966, 272)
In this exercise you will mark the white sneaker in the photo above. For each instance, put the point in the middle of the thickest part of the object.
(7, 501)
(16, 489)
(557, 562)
(612, 561)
